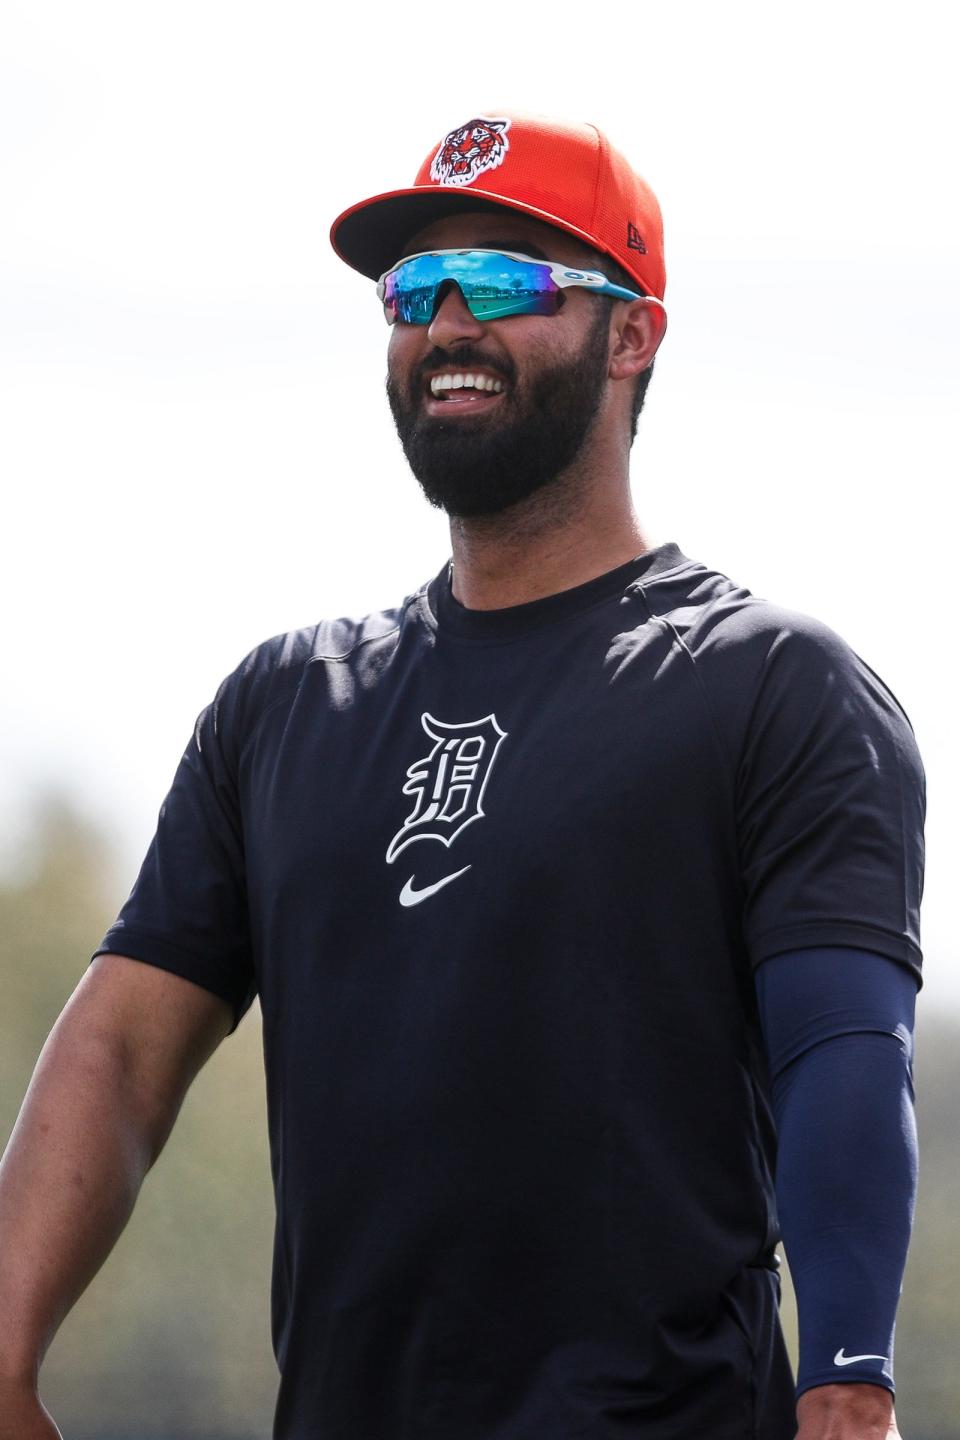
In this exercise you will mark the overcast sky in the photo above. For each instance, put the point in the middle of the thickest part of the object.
(195, 448)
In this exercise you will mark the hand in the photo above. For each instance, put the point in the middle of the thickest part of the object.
(22, 1415)
(847, 1412)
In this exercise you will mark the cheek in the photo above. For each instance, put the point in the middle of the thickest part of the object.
(402, 351)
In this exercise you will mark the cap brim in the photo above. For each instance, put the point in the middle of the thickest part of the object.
(370, 236)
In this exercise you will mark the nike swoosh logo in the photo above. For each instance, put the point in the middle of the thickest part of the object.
(409, 896)
(841, 1359)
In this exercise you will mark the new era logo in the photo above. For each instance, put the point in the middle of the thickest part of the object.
(635, 239)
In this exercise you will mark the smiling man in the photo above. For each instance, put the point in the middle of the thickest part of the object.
(458, 380)
(581, 896)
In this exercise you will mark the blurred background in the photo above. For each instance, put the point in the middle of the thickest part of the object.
(196, 453)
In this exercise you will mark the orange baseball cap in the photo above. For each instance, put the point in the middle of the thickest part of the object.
(567, 175)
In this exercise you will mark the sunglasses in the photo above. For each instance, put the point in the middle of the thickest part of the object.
(494, 284)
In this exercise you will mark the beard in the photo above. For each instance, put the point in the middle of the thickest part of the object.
(482, 464)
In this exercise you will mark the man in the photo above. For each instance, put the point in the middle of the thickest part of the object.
(581, 895)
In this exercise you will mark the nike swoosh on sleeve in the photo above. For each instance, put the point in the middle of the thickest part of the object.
(409, 896)
(841, 1359)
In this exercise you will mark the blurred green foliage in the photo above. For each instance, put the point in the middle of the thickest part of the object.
(172, 1337)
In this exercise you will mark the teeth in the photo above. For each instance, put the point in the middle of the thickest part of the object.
(458, 380)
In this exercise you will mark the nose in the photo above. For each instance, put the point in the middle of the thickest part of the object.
(452, 320)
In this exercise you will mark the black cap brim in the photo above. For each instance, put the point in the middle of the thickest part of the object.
(371, 235)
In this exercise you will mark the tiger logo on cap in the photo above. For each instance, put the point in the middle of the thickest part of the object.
(466, 153)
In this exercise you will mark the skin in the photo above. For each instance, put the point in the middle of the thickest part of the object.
(584, 524)
(103, 1099)
(846, 1412)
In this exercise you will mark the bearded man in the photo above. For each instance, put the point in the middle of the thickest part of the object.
(580, 893)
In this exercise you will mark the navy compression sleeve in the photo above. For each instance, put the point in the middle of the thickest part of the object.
(838, 1026)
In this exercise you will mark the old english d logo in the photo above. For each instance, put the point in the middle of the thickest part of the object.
(447, 786)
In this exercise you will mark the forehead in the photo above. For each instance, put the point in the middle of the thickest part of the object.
(499, 230)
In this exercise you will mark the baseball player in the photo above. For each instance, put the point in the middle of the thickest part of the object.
(580, 893)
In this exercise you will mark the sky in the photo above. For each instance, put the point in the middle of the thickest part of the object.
(195, 447)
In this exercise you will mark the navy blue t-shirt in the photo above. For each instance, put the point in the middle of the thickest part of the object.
(500, 880)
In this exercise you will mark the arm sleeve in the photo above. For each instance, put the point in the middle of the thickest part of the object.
(830, 800)
(187, 912)
(838, 1028)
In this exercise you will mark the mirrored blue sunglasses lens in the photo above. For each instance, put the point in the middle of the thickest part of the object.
(493, 287)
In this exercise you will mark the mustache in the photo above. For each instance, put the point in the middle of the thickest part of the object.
(465, 357)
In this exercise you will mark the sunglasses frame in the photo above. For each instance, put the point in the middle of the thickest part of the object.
(563, 276)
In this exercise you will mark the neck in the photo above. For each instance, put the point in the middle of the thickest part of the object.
(564, 535)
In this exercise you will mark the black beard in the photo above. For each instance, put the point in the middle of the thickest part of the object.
(482, 464)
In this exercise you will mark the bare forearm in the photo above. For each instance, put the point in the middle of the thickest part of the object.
(68, 1182)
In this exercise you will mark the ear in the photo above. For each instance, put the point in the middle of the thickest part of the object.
(638, 329)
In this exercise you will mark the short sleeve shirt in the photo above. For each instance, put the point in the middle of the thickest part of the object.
(500, 880)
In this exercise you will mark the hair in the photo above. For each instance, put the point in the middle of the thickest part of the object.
(619, 276)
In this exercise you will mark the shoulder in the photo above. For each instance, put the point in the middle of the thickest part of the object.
(713, 615)
(724, 625)
(757, 643)
(755, 657)
(271, 673)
